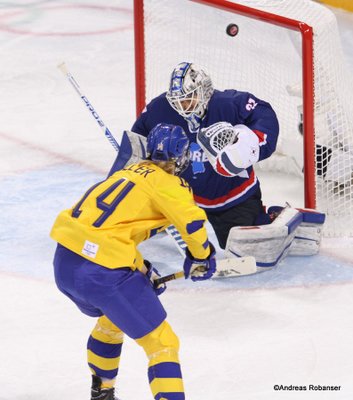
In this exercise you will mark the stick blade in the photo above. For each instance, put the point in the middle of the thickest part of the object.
(233, 267)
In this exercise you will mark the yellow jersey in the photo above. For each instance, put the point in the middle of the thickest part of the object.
(117, 214)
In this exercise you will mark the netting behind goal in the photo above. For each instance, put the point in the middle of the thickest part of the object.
(270, 57)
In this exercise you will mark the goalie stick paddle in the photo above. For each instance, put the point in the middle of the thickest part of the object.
(226, 268)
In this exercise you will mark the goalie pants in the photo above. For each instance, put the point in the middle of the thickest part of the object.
(243, 214)
(125, 302)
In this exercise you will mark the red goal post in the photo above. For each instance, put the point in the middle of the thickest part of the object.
(167, 33)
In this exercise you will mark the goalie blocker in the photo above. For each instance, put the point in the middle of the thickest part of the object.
(294, 232)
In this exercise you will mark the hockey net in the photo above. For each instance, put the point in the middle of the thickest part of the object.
(286, 52)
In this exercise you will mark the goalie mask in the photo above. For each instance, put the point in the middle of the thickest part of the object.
(168, 142)
(190, 90)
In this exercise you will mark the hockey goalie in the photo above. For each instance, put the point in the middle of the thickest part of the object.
(229, 131)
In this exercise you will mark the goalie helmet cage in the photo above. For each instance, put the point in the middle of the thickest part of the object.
(286, 52)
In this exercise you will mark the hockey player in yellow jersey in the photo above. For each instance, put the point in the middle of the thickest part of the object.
(98, 266)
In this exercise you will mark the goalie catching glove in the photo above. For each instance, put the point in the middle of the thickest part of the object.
(153, 274)
(200, 270)
(230, 149)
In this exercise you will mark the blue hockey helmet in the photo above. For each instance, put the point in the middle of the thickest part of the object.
(190, 90)
(167, 142)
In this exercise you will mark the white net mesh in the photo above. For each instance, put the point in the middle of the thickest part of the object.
(266, 60)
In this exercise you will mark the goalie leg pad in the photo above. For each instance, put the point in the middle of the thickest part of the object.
(308, 235)
(132, 150)
(307, 240)
(269, 244)
(123, 156)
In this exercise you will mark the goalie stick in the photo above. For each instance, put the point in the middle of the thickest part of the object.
(226, 268)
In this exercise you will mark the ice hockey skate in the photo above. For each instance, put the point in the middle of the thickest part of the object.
(97, 393)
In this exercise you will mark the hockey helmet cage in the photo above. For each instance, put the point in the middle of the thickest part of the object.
(167, 142)
(190, 90)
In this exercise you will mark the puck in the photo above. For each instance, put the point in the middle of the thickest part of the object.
(232, 29)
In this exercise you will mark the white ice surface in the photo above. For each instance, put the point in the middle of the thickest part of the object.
(239, 337)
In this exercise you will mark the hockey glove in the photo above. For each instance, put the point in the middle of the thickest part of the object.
(153, 274)
(229, 149)
(200, 270)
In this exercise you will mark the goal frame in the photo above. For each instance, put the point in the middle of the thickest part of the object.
(307, 75)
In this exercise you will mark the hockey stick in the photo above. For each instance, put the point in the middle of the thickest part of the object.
(89, 106)
(226, 268)
(171, 230)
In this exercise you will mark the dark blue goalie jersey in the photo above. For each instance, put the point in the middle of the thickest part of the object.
(214, 192)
